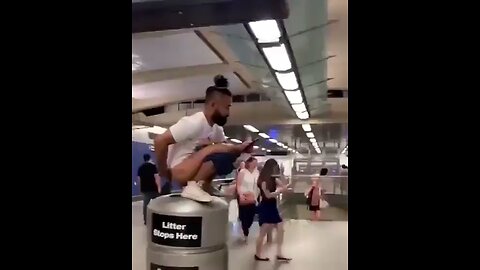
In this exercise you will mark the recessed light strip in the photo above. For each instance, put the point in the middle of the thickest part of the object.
(272, 42)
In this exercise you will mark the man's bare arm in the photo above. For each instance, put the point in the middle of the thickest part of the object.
(161, 143)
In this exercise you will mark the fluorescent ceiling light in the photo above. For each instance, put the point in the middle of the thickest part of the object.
(135, 66)
(318, 151)
(265, 31)
(303, 115)
(310, 134)
(236, 141)
(285, 146)
(299, 107)
(306, 127)
(345, 149)
(278, 57)
(136, 62)
(255, 147)
(280, 144)
(263, 149)
(288, 81)
(273, 140)
(263, 135)
(312, 140)
(226, 137)
(250, 128)
(268, 150)
(290, 149)
(315, 144)
(294, 97)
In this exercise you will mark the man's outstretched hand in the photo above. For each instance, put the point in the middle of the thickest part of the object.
(246, 147)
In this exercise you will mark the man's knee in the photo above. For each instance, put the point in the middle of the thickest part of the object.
(180, 174)
(222, 162)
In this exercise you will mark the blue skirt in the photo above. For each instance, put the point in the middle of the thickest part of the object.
(268, 213)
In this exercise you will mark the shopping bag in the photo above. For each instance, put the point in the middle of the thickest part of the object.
(323, 204)
(233, 211)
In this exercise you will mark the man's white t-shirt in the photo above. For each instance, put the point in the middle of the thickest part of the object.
(187, 133)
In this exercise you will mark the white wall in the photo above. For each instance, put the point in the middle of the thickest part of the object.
(141, 135)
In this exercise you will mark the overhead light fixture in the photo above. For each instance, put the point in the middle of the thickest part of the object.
(315, 144)
(273, 140)
(136, 62)
(266, 31)
(318, 151)
(255, 147)
(345, 149)
(303, 115)
(278, 57)
(263, 149)
(268, 150)
(313, 140)
(236, 141)
(135, 66)
(290, 149)
(294, 97)
(288, 81)
(310, 134)
(306, 127)
(250, 128)
(280, 144)
(263, 135)
(285, 147)
(299, 107)
(226, 137)
(271, 40)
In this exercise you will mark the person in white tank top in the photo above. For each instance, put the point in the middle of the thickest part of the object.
(247, 191)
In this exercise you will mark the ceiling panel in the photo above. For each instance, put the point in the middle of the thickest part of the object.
(337, 44)
(172, 51)
(184, 89)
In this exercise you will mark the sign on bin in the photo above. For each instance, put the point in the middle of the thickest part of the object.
(176, 231)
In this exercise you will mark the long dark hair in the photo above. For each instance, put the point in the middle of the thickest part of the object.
(269, 168)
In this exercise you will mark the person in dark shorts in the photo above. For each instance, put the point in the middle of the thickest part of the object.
(150, 183)
(314, 196)
(268, 214)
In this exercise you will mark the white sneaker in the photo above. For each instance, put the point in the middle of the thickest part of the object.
(196, 193)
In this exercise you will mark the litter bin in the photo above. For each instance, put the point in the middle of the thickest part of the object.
(187, 235)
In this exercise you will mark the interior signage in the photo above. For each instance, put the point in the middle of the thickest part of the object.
(176, 231)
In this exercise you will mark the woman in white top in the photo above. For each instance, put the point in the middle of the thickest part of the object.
(247, 191)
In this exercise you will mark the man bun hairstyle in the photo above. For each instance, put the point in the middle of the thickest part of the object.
(220, 87)
(220, 81)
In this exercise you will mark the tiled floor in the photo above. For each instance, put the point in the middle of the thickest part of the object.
(312, 245)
